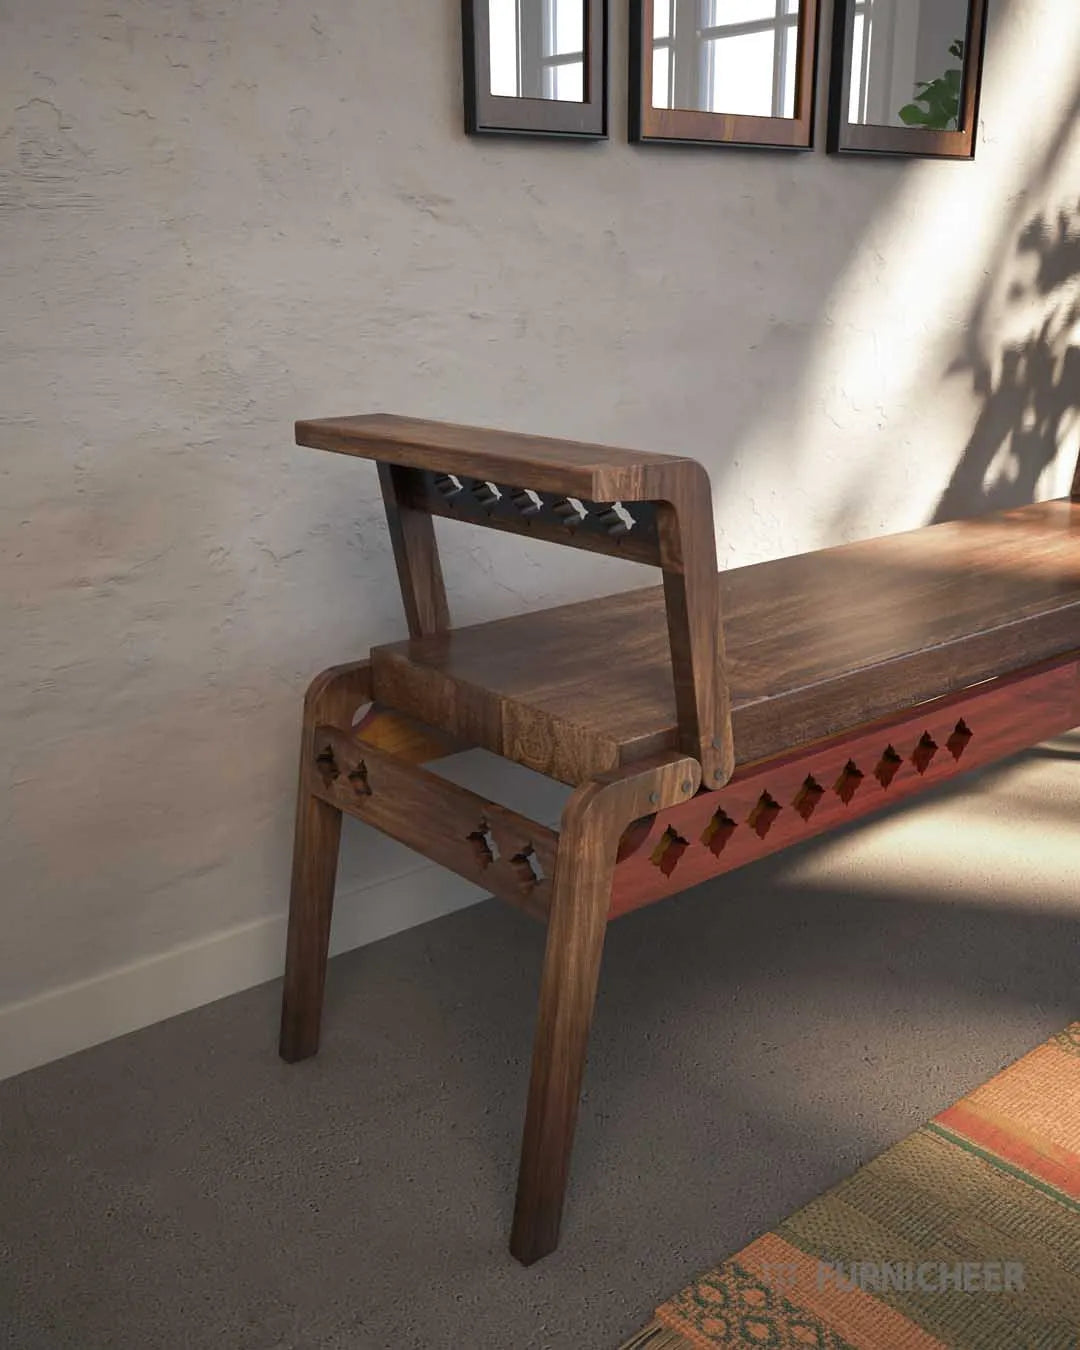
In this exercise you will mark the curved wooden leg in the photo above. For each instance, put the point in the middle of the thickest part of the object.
(592, 822)
(575, 942)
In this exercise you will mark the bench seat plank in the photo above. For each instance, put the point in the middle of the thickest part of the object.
(816, 644)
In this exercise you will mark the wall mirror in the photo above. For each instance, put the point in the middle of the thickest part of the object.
(906, 77)
(536, 66)
(727, 72)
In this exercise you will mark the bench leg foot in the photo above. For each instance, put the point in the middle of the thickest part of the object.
(315, 860)
(575, 941)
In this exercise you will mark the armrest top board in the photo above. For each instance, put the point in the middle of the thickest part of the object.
(573, 468)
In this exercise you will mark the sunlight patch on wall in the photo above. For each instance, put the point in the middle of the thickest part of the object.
(940, 297)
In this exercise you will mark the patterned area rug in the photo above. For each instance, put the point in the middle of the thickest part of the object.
(965, 1236)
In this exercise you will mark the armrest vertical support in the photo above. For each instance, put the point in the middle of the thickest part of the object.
(695, 623)
(416, 553)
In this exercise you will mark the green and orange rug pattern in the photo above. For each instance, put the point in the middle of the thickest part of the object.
(964, 1236)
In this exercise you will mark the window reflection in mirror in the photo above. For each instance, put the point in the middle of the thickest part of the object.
(726, 56)
(907, 63)
(537, 49)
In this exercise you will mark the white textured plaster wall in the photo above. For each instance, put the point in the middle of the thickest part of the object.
(216, 217)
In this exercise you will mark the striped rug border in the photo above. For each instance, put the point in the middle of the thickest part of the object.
(1022, 1126)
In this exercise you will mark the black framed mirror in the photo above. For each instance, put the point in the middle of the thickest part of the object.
(535, 67)
(906, 77)
(723, 72)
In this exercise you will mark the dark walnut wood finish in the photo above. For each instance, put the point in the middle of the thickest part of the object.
(847, 137)
(691, 126)
(816, 644)
(702, 723)
(579, 478)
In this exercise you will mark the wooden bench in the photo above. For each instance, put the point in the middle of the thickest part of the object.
(702, 723)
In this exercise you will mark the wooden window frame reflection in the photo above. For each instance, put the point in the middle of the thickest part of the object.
(854, 138)
(495, 113)
(691, 126)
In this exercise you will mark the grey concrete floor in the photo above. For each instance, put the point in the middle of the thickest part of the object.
(756, 1040)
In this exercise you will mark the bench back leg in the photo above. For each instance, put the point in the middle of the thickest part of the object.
(333, 697)
(315, 861)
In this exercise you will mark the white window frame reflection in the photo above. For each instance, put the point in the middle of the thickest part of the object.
(884, 56)
(861, 31)
(684, 57)
(539, 70)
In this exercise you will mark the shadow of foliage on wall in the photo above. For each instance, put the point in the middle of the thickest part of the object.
(1030, 389)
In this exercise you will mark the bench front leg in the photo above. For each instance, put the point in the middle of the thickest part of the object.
(592, 823)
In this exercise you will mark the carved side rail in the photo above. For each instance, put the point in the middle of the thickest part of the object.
(506, 853)
(772, 805)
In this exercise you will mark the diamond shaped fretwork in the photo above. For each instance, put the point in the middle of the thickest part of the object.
(807, 798)
(616, 519)
(888, 766)
(358, 780)
(526, 502)
(849, 782)
(490, 503)
(527, 866)
(958, 741)
(327, 766)
(718, 831)
(484, 845)
(447, 485)
(669, 850)
(924, 752)
(570, 511)
(763, 815)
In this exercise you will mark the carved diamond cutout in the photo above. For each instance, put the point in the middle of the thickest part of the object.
(358, 780)
(762, 816)
(487, 494)
(448, 485)
(718, 831)
(527, 502)
(570, 511)
(634, 836)
(958, 741)
(848, 783)
(924, 752)
(807, 798)
(527, 866)
(327, 765)
(669, 850)
(484, 845)
(888, 766)
(616, 519)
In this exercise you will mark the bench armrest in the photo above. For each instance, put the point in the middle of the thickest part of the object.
(595, 473)
(565, 492)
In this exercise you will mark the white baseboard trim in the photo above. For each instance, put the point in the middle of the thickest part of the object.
(80, 1015)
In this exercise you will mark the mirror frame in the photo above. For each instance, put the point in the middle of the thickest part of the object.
(487, 112)
(851, 138)
(690, 126)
